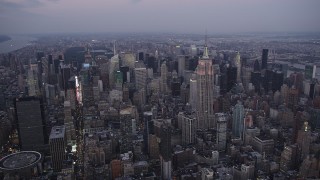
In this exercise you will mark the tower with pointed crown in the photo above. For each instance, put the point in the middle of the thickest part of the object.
(205, 87)
(205, 51)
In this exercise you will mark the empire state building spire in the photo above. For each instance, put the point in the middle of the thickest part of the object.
(205, 52)
(205, 88)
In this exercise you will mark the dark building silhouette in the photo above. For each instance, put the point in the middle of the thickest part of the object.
(256, 65)
(74, 54)
(292, 98)
(2, 98)
(165, 143)
(192, 64)
(124, 70)
(267, 80)
(223, 83)
(72, 83)
(31, 123)
(60, 57)
(65, 76)
(264, 62)
(141, 56)
(148, 129)
(277, 80)
(231, 77)
(175, 87)
(56, 64)
(50, 59)
(312, 90)
(222, 79)
(256, 80)
(50, 66)
(244, 62)
(171, 65)
(152, 63)
(296, 79)
(146, 57)
(284, 68)
(187, 62)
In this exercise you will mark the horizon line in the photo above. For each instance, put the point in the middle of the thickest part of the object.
(162, 33)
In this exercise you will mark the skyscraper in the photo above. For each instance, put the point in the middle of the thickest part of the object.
(56, 66)
(267, 80)
(141, 56)
(165, 151)
(264, 62)
(165, 142)
(256, 66)
(68, 122)
(57, 142)
(148, 129)
(221, 131)
(292, 98)
(118, 80)
(140, 74)
(310, 71)
(113, 67)
(126, 131)
(277, 81)
(181, 65)
(65, 76)
(128, 59)
(125, 73)
(163, 79)
(71, 96)
(246, 77)
(31, 125)
(256, 80)
(237, 120)
(231, 77)
(237, 63)
(188, 127)
(205, 87)
(193, 92)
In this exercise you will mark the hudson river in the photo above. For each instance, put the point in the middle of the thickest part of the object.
(16, 42)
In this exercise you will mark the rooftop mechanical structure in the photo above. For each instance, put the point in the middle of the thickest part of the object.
(24, 163)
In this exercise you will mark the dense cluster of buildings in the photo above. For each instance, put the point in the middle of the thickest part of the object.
(158, 110)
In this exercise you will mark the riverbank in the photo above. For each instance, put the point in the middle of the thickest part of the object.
(4, 38)
(15, 43)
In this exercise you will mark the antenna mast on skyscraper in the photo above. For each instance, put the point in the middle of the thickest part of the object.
(205, 52)
(114, 47)
(206, 39)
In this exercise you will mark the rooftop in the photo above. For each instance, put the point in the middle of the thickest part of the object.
(57, 132)
(67, 103)
(20, 160)
(126, 111)
(264, 138)
(147, 113)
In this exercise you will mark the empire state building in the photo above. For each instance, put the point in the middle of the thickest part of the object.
(205, 88)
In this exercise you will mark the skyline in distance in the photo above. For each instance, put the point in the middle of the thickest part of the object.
(169, 16)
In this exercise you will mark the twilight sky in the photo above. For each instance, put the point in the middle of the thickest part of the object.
(177, 16)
